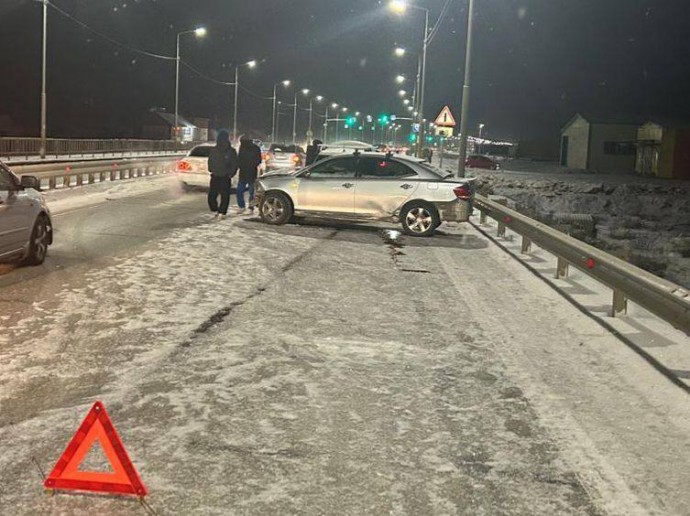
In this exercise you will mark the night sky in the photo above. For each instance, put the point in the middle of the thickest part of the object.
(537, 62)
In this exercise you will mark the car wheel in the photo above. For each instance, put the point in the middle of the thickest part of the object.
(38, 246)
(420, 219)
(276, 208)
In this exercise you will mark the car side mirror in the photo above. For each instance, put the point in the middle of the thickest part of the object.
(31, 182)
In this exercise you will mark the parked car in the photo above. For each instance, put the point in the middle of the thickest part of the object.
(26, 229)
(368, 187)
(479, 161)
(192, 170)
(282, 156)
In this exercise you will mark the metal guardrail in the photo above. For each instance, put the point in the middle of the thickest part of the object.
(663, 298)
(62, 175)
(31, 147)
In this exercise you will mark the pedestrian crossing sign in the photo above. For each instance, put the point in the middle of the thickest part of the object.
(445, 118)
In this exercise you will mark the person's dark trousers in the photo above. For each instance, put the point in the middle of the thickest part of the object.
(219, 186)
(244, 186)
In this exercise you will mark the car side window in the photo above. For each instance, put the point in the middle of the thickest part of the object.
(381, 168)
(335, 169)
(7, 182)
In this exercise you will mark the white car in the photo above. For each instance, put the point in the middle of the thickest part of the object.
(26, 230)
(192, 170)
(368, 186)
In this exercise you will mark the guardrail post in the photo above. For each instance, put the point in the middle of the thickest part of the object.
(101, 177)
(51, 183)
(80, 180)
(482, 217)
(113, 175)
(619, 305)
(561, 269)
(526, 245)
(92, 178)
(501, 230)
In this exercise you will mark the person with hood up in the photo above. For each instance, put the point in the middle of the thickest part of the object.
(313, 151)
(222, 164)
(249, 161)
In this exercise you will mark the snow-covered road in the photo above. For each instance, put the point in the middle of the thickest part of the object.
(319, 369)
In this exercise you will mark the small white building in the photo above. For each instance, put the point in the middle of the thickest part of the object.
(599, 144)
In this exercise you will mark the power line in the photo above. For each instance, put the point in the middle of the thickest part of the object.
(203, 75)
(435, 29)
(106, 37)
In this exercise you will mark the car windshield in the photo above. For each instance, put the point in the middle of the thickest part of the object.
(276, 147)
(202, 151)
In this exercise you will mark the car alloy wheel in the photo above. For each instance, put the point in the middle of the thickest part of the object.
(419, 220)
(272, 209)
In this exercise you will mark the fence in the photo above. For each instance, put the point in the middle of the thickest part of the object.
(31, 147)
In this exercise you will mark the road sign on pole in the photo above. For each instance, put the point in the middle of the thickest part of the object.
(445, 118)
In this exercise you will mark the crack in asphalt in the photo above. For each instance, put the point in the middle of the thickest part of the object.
(222, 314)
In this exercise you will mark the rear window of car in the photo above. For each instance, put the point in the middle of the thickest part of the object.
(202, 151)
(282, 148)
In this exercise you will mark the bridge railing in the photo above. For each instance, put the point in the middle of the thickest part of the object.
(663, 298)
(65, 147)
(63, 175)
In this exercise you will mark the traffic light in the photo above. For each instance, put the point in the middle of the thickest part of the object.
(384, 119)
(412, 138)
(351, 120)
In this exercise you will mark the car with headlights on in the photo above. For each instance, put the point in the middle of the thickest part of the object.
(26, 229)
(368, 186)
(192, 170)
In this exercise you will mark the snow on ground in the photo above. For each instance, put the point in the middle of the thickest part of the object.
(644, 220)
(60, 201)
(301, 370)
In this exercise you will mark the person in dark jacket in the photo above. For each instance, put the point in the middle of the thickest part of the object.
(313, 151)
(249, 162)
(222, 164)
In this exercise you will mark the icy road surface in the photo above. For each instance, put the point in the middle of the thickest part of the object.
(321, 369)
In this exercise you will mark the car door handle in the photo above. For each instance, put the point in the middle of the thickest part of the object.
(348, 185)
(406, 186)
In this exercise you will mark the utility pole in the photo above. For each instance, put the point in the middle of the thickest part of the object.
(462, 151)
(422, 88)
(325, 127)
(273, 119)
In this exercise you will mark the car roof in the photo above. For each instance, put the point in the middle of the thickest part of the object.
(375, 154)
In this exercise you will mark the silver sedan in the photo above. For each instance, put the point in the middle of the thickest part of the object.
(368, 187)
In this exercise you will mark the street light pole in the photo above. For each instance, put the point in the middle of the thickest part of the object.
(237, 90)
(422, 87)
(325, 127)
(177, 92)
(462, 151)
(44, 97)
(294, 122)
(200, 33)
(273, 119)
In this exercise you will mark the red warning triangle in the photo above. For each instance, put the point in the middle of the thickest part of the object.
(445, 118)
(96, 427)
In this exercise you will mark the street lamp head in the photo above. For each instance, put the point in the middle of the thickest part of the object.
(251, 64)
(357, 113)
(200, 32)
(402, 93)
(344, 110)
(397, 6)
(305, 91)
(400, 52)
(286, 83)
(400, 79)
(410, 108)
(406, 101)
(334, 105)
(319, 98)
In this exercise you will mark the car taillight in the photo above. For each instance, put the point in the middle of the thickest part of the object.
(184, 166)
(462, 192)
(296, 159)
